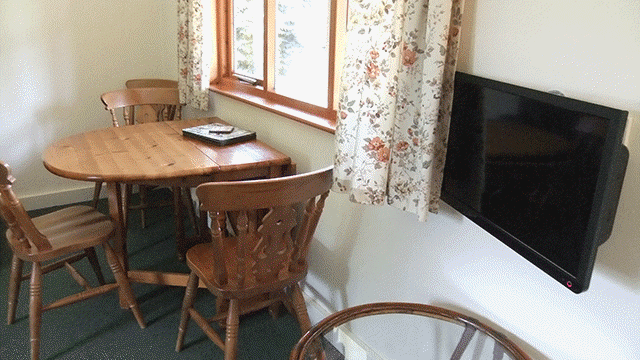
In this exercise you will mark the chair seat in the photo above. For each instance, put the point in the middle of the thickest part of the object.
(200, 259)
(71, 229)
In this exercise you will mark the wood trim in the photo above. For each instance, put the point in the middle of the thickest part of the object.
(337, 34)
(223, 15)
(331, 100)
(265, 97)
(324, 120)
(269, 52)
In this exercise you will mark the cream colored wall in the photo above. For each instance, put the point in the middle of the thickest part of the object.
(56, 58)
(363, 254)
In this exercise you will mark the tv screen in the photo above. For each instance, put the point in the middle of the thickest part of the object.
(540, 172)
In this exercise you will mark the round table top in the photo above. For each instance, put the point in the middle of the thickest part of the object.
(152, 153)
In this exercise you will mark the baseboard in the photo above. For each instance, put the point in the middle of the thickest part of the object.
(65, 197)
(349, 345)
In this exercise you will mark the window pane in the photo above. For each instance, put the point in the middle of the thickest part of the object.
(302, 50)
(248, 37)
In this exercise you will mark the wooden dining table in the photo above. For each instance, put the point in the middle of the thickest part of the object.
(157, 154)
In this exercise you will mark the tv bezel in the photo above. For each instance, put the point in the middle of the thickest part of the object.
(613, 163)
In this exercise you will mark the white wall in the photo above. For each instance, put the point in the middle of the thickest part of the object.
(56, 58)
(589, 50)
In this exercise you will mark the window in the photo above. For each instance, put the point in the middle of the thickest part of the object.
(281, 55)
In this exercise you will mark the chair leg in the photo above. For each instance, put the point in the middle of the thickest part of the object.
(231, 340)
(191, 211)
(143, 192)
(222, 306)
(123, 283)
(300, 308)
(95, 264)
(274, 309)
(96, 194)
(15, 279)
(204, 232)
(187, 303)
(182, 244)
(35, 309)
(302, 316)
(126, 203)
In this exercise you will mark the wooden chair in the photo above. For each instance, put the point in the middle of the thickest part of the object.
(167, 100)
(149, 112)
(57, 237)
(258, 262)
(307, 346)
(140, 105)
(154, 104)
(165, 106)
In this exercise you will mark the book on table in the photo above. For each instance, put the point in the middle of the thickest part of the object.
(219, 134)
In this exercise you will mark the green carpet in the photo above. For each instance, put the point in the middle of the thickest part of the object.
(98, 329)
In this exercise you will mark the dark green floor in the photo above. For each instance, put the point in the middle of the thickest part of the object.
(99, 329)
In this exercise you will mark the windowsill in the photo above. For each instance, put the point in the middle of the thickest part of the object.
(322, 123)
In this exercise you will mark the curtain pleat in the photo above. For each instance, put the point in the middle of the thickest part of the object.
(395, 102)
(195, 32)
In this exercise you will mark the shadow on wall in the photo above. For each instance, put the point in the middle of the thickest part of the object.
(619, 255)
(26, 145)
(329, 257)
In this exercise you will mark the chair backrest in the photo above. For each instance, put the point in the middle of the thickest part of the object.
(148, 111)
(23, 236)
(149, 83)
(165, 101)
(308, 343)
(272, 235)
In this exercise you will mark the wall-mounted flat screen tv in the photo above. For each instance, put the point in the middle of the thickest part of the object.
(540, 172)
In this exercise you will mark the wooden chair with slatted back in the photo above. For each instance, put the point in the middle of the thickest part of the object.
(146, 112)
(149, 111)
(495, 344)
(151, 103)
(56, 237)
(126, 106)
(258, 262)
(127, 99)
(139, 105)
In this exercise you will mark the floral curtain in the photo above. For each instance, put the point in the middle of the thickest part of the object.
(395, 102)
(194, 52)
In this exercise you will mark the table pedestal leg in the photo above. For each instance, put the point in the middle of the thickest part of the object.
(117, 211)
(177, 215)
